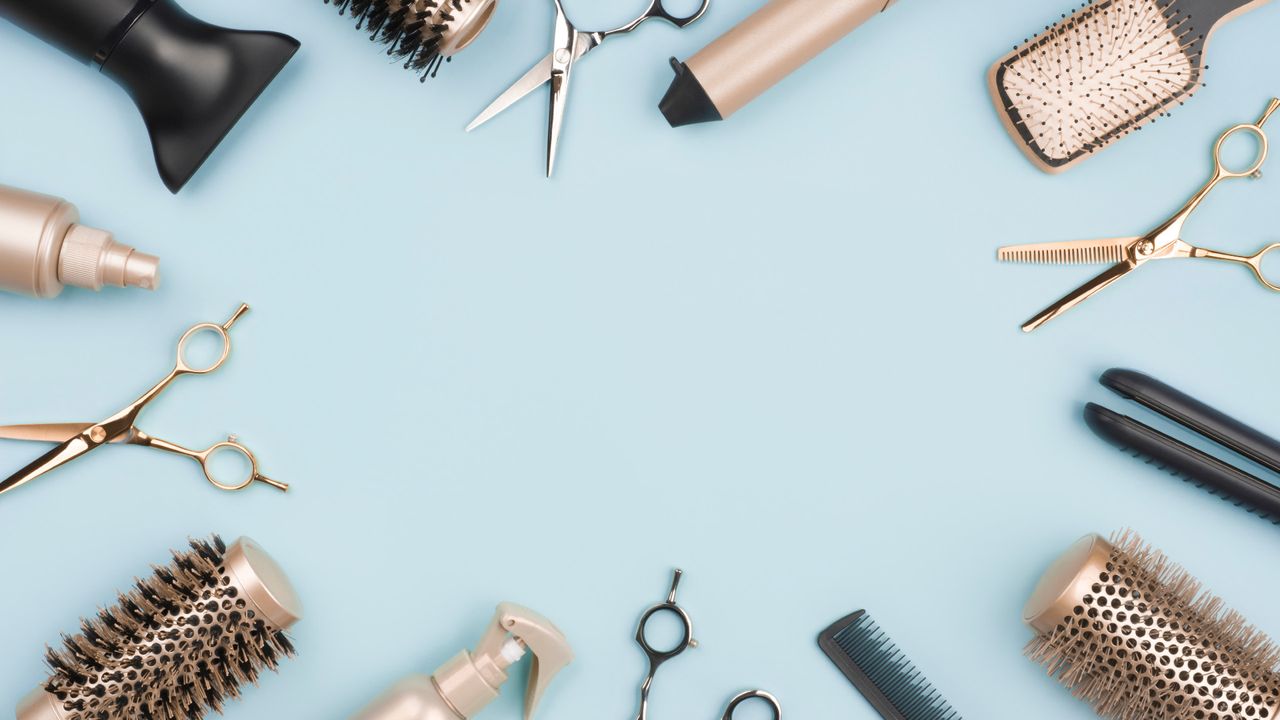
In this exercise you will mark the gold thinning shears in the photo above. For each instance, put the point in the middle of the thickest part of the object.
(1163, 243)
(76, 439)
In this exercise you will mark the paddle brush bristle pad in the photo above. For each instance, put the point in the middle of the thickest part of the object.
(1095, 76)
(175, 647)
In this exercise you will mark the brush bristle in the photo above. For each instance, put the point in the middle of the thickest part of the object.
(1147, 643)
(174, 647)
(411, 30)
(1099, 74)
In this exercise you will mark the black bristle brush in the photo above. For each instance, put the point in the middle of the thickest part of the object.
(881, 672)
(423, 33)
(176, 646)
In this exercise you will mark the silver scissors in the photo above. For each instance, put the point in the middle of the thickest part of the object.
(76, 439)
(658, 657)
(569, 45)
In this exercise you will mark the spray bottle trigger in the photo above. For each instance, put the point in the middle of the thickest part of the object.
(548, 645)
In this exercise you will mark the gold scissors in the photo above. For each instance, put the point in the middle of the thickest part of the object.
(76, 439)
(569, 44)
(1163, 243)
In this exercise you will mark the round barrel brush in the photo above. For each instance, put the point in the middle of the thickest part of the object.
(1135, 636)
(176, 646)
(423, 33)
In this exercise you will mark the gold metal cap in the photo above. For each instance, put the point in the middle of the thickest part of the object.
(1066, 582)
(264, 583)
(466, 23)
(39, 705)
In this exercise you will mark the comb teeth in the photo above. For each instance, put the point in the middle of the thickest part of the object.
(175, 647)
(1097, 75)
(881, 672)
(1050, 253)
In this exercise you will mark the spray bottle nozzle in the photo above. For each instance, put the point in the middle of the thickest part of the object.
(471, 680)
(92, 259)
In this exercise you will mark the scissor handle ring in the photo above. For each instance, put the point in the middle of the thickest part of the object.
(754, 695)
(1255, 264)
(184, 367)
(658, 10)
(657, 657)
(206, 458)
(1253, 169)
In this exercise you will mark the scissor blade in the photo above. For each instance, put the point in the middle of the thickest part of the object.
(564, 53)
(1080, 294)
(537, 76)
(48, 432)
(64, 453)
(559, 96)
(1105, 250)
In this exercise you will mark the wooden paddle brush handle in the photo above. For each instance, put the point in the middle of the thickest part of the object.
(771, 44)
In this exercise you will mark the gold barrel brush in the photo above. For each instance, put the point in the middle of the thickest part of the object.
(1135, 636)
(178, 645)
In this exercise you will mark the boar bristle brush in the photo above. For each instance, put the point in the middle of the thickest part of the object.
(1135, 636)
(1104, 71)
(423, 33)
(176, 646)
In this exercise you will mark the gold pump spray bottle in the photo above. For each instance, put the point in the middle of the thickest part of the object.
(43, 248)
(465, 685)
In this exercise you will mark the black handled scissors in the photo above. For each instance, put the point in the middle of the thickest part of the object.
(569, 45)
(658, 657)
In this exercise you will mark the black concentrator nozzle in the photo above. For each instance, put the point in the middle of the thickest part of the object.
(686, 101)
(191, 80)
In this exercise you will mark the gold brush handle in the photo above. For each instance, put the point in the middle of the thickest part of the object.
(771, 44)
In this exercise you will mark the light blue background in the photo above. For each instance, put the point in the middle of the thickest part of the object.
(776, 352)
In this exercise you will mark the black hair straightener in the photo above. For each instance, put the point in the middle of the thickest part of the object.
(1217, 476)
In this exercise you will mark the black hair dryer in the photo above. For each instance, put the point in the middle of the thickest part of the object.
(191, 80)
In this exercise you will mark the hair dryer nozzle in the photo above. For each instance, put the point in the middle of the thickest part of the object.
(191, 80)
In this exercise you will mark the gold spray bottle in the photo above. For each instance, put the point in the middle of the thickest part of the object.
(43, 248)
(465, 685)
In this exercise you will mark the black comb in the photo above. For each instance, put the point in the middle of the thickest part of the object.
(881, 672)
